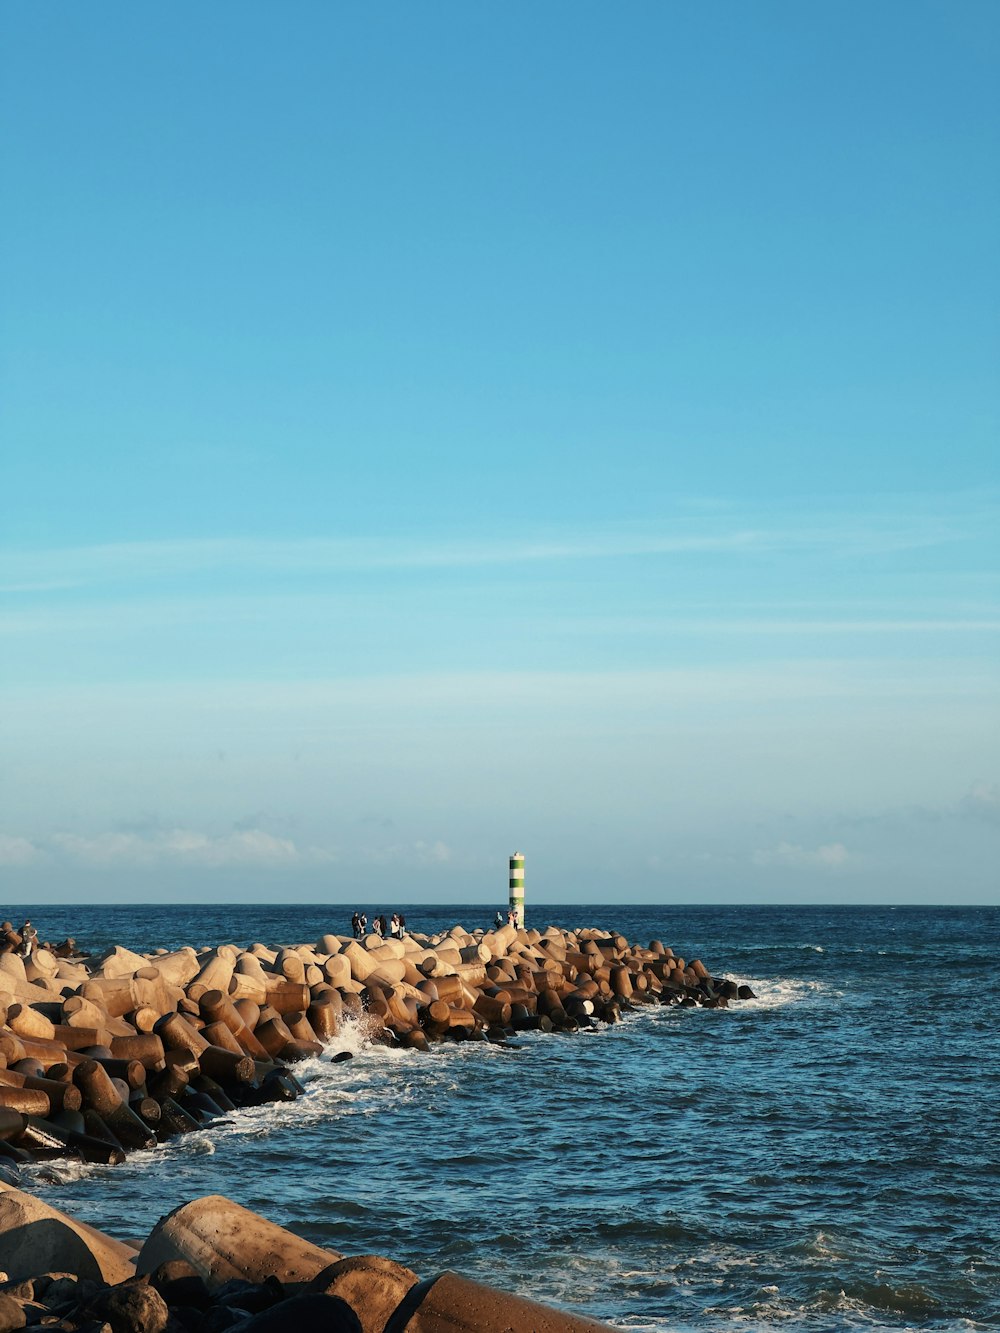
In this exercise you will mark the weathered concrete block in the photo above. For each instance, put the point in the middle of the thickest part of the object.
(222, 1241)
(35, 1238)
(449, 1303)
(372, 1286)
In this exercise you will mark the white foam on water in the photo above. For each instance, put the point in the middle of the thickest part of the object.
(786, 948)
(826, 1248)
(196, 1145)
(354, 1038)
(775, 993)
(639, 1324)
(64, 1171)
(327, 1090)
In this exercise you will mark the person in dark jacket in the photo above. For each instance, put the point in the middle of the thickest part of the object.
(29, 939)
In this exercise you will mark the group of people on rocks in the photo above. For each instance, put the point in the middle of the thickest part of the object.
(499, 921)
(391, 928)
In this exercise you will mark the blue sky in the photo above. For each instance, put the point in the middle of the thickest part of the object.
(434, 430)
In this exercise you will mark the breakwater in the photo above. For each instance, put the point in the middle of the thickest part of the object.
(815, 1160)
(110, 1054)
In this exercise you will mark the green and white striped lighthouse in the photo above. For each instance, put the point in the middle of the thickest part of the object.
(517, 887)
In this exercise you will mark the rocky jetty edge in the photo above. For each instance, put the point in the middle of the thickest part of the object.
(110, 1054)
(106, 1055)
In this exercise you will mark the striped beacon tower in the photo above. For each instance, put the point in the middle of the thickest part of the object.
(517, 887)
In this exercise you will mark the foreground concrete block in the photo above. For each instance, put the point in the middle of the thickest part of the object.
(222, 1241)
(372, 1286)
(449, 1303)
(35, 1238)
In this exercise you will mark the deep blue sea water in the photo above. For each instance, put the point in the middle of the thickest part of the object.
(822, 1158)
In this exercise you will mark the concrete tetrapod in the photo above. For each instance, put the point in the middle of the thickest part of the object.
(450, 1303)
(222, 1241)
(138, 1038)
(371, 1285)
(35, 1238)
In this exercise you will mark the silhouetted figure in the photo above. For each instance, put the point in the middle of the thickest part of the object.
(29, 939)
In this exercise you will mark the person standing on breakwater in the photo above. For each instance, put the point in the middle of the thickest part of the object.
(356, 926)
(29, 939)
(377, 927)
(498, 920)
(401, 926)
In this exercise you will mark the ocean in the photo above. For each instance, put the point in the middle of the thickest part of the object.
(824, 1157)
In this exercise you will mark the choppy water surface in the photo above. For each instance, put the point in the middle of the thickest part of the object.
(822, 1158)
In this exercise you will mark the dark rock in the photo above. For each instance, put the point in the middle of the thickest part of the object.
(34, 1313)
(341, 1056)
(304, 1314)
(745, 993)
(131, 1307)
(221, 1317)
(177, 1325)
(252, 1296)
(64, 1286)
(11, 1313)
(180, 1284)
(63, 1292)
(186, 1317)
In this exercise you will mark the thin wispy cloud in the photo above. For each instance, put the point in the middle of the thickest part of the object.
(185, 846)
(420, 852)
(54, 568)
(789, 625)
(790, 855)
(182, 846)
(15, 851)
(401, 697)
(66, 568)
(109, 616)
